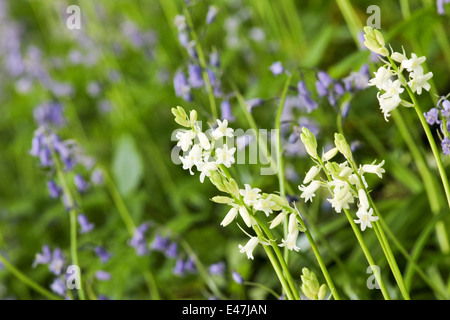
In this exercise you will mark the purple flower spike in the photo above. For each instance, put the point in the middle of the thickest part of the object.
(85, 225)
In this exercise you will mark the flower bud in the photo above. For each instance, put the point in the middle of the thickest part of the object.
(374, 41)
(310, 142)
(342, 145)
(311, 287)
(330, 154)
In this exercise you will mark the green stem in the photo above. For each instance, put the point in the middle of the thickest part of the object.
(320, 261)
(280, 257)
(27, 281)
(382, 240)
(275, 265)
(73, 220)
(281, 173)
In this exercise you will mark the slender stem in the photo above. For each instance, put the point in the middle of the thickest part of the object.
(73, 220)
(287, 287)
(281, 174)
(367, 254)
(416, 251)
(280, 257)
(275, 265)
(383, 241)
(320, 261)
(27, 281)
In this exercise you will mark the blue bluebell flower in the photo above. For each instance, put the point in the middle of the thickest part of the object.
(214, 59)
(85, 225)
(80, 183)
(49, 114)
(440, 6)
(189, 265)
(58, 286)
(179, 267)
(57, 263)
(432, 116)
(54, 190)
(102, 254)
(277, 68)
(43, 258)
(237, 277)
(195, 76)
(225, 108)
(138, 241)
(102, 275)
(172, 250)
(160, 243)
(217, 268)
(211, 15)
(445, 144)
(181, 86)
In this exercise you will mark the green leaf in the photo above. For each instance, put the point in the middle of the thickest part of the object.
(127, 165)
